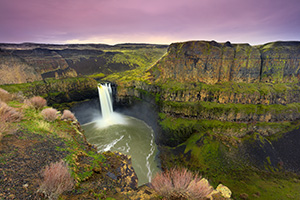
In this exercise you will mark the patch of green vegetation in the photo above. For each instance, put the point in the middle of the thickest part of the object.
(137, 74)
(66, 105)
(141, 60)
(204, 150)
(34, 122)
(2, 160)
(178, 130)
(27, 88)
(262, 185)
(231, 88)
(142, 57)
(173, 124)
(83, 172)
(56, 90)
(15, 104)
(99, 75)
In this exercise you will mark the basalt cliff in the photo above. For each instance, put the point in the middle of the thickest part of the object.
(230, 111)
(212, 62)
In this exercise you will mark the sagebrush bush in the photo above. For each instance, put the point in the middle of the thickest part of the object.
(68, 115)
(2, 91)
(57, 179)
(49, 114)
(37, 102)
(181, 184)
(9, 114)
(5, 96)
(3, 128)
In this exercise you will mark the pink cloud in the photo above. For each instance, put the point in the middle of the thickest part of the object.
(61, 20)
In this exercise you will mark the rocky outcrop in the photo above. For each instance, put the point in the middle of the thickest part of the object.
(115, 176)
(57, 91)
(231, 92)
(280, 62)
(212, 62)
(233, 112)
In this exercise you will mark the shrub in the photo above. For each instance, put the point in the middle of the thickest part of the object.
(181, 184)
(3, 128)
(9, 114)
(49, 114)
(57, 179)
(68, 115)
(37, 102)
(43, 125)
(2, 91)
(4, 95)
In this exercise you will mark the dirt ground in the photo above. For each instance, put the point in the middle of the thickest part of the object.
(22, 157)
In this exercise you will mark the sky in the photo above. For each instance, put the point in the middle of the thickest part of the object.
(148, 21)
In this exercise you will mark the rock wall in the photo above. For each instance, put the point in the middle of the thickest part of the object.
(231, 92)
(212, 62)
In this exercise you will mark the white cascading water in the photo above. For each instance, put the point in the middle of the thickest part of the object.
(105, 96)
(109, 117)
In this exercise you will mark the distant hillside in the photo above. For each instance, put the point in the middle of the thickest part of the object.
(27, 62)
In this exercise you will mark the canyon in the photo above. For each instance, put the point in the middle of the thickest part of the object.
(28, 62)
(228, 111)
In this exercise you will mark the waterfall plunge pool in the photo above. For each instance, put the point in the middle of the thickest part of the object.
(111, 131)
(135, 138)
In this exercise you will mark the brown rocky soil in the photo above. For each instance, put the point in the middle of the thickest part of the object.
(23, 156)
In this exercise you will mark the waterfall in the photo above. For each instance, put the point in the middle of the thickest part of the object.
(105, 96)
(109, 117)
